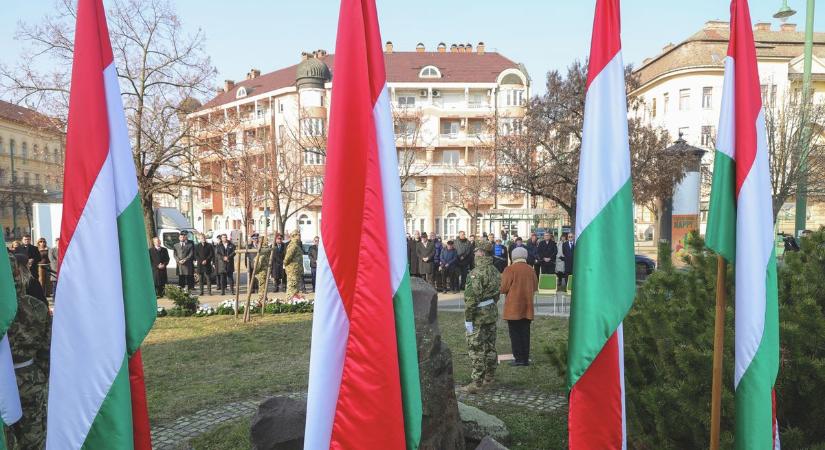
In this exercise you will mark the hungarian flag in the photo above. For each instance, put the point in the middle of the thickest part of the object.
(604, 280)
(10, 411)
(364, 390)
(740, 228)
(105, 301)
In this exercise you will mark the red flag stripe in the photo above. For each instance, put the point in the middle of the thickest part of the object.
(87, 135)
(140, 409)
(747, 93)
(606, 41)
(352, 229)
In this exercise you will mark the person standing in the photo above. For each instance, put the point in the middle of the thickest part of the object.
(43, 266)
(159, 257)
(519, 284)
(29, 337)
(518, 243)
(447, 266)
(293, 265)
(499, 256)
(31, 253)
(560, 261)
(54, 255)
(481, 296)
(567, 256)
(425, 250)
(262, 270)
(437, 276)
(413, 249)
(184, 252)
(252, 249)
(546, 255)
(464, 249)
(204, 257)
(31, 286)
(225, 264)
(277, 271)
(532, 247)
(313, 259)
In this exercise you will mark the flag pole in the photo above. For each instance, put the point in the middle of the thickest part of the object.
(718, 341)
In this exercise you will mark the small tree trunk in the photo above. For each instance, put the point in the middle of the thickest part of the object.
(148, 218)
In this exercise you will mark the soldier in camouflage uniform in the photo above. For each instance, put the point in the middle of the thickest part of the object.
(293, 264)
(262, 268)
(29, 338)
(481, 296)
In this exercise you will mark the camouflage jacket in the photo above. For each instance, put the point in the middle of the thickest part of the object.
(483, 283)
(264, 255)
(294, 257)
(30, 333)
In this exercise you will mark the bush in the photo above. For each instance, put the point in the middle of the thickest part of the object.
(183, 300)
(669, 347)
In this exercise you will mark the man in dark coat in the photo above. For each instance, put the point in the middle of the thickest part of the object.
(252, 251)
(277, 270)
(159, 257)
(547, 252)
(464, 249)
(31, 253)
(413, 246)
(184, 252)
(513, 245)
(532, 253)
(225, 264)
(205, 256)
(425, 250)
(567, 250)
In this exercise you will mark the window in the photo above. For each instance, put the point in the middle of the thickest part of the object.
(476, 128)
(683, 133)
(513, 97)
(768, 95)
(37, 179)
(241, 92)
(684, 99)
(665, 102)
(429, 72)
(408, 190)
(405, 128)
(707, 97)
(24, 150)
(511, 126)
(281, 134)
(314, 157)
(450, 127)
(406, 101)
(451, 157)
(313, 185)
(280, 107)
(312, 126)
(56, 153)
(707, 136)
(26, 179)
(451, 226)
(653, 109)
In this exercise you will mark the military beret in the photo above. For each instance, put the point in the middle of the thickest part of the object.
(485, 246)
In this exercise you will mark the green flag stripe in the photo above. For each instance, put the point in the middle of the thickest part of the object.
(112, 427)
(408, 361)
(8, 295)
(138, 286)
(604, 281)
(754, 393)
(721, 229)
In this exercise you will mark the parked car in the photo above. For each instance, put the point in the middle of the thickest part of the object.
(644, 267)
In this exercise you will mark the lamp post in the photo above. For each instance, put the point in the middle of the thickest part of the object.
(802, 183)
(13, 189)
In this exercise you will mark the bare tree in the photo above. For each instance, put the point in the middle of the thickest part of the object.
(785, 124)
(411, 143)
(163, 71)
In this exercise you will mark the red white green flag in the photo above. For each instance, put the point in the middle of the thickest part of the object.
(364, 390)
(603, 271)
(740, 228)
(105, 302)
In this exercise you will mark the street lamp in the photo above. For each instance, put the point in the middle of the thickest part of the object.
(802, 184)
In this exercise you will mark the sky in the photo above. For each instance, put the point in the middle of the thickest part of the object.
(544, 35)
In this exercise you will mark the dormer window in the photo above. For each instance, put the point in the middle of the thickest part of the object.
(241, 92)
(429, 72)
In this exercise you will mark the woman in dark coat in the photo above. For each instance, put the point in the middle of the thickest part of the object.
(426, 253)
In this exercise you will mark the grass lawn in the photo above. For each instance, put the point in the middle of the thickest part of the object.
(195, 363)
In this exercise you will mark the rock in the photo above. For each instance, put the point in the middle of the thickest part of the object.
(478, 425)
(441, 424)
(279, 424)
(489, 443)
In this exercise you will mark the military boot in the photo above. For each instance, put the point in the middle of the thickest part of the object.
(489, 380)
(473, 388)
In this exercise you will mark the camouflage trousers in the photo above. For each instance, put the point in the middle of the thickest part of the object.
(481, 344)
(293, 278)
(30, 431)
(261, 278)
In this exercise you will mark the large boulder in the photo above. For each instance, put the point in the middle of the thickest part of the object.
(441, 423)
(279, 424)
(478, 425)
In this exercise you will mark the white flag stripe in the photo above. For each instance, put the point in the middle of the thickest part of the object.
(10, 410)
(754, 246)
(605, 107)
(120, 149)
(330, 332)
(726, 134)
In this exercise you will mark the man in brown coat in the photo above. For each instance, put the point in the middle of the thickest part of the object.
(519, 284)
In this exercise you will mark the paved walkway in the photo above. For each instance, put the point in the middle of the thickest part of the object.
(175, 434)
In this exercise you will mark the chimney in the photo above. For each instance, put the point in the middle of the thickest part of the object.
(762, 26)
(442, 47)
(228, 85)
(668, 47)
(480, 48)
(788, 27)
(460, 48)
(254, 73)
(453, 48)
(304, 56)
(468, 47)
(320, 53)
(419, 48)
(388, 47)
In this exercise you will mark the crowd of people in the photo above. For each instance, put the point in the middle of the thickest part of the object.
(484, 269)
